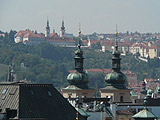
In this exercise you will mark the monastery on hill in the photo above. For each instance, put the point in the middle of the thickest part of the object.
(29, 37)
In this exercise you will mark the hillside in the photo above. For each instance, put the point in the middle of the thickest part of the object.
(45, 63)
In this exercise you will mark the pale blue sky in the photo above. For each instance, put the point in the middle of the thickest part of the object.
(94, 15)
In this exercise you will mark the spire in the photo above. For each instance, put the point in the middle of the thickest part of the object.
(116, 56)
(47, 27)
(62, 31)
(79, 57)
(47, 31)
(63, 28)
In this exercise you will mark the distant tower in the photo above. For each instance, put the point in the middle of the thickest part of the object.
(62, 31)
(47, 31)
(10, 77)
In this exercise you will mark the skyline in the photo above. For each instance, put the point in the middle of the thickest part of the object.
(94, 16)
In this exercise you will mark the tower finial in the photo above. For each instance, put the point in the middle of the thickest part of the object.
(116, 45)
(79, 31)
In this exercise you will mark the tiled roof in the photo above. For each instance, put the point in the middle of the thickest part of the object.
(124, 112)
(28, 33)
(155, 47)
(36, 101)
(85, 42)
(53, 35)
(21, 33)
(105, 71)
(112, 43)
(141, 45)
(94, 70)
(33, 35)
(94, 41)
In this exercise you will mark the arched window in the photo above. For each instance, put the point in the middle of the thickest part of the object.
(121, 99)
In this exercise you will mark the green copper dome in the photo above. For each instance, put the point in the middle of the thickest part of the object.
(78, 79)
(116, 79)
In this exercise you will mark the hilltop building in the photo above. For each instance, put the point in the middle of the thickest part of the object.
(116, 81)
(33, 38)
(29, 37)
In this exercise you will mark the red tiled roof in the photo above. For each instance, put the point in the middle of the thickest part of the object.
(106, 71)
(53, 35)
(94, 41)
(28, 33)
(84, 42)
(94, 70)
(21, 33)
(141, 45)
(155, 47)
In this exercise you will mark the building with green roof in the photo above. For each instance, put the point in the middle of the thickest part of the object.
(78, 80)
(145, 114)
(116, 80)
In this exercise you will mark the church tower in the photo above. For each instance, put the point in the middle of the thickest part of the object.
(116, 81)
(47, 31)
(62, 31)
(79, 79)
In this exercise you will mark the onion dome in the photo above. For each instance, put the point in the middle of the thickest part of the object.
(116, 78)
(79, 77)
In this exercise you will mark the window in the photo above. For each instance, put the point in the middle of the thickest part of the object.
(121, 99)
(13, 91)
(4, 91)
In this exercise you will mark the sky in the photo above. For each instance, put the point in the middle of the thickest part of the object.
(99, 16)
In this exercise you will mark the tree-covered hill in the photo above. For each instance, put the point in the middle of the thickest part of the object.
(45, 63)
